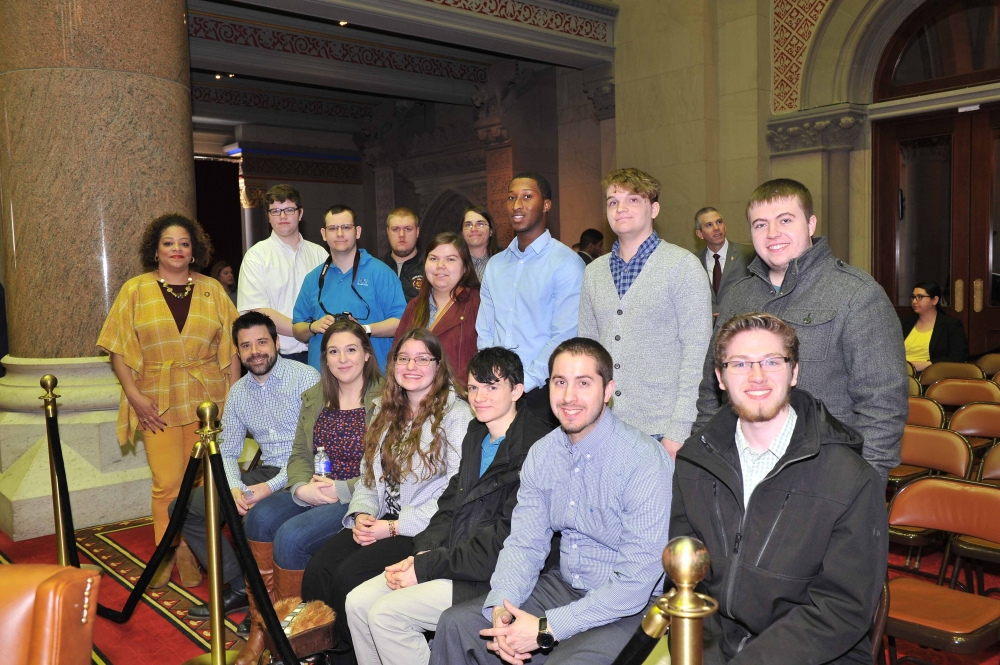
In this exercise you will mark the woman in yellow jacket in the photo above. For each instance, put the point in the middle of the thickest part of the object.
(168, 337)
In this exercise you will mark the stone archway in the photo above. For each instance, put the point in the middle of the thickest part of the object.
(444, 213)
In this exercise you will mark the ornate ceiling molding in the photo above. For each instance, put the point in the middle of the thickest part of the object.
(596, 28)
(255, 98)
(834, 128)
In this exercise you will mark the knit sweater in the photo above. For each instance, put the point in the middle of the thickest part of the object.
(657, 335)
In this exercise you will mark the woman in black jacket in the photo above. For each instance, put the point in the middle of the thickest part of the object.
(931, 336)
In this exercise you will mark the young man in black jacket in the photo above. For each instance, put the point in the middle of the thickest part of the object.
(793, 517)
(457, 552)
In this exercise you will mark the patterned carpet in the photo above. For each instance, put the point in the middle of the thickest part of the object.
(160, 631)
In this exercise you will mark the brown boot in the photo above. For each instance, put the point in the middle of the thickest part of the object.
(187, 566)
(251, 651)
(287, 583)
(161, 577)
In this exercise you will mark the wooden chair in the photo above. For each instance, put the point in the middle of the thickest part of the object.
(910, 369)
(878, 625)
(925, 412)
(953, 393)
(990, 364)
(938, 371)
(915, 387)
(930, 614)
(926, 451)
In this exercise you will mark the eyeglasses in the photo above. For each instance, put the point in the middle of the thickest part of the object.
(281, 212)
(422, 361)
(774, 364)
(346, 228)
(475, 225)
(918, 297)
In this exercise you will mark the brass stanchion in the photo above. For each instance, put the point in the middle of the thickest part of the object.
(686, 562)
(49, 384)
(208, 414)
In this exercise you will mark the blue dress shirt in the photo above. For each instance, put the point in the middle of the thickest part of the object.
(530, 303)
(609, 495)
(270, 413)
(377, 284)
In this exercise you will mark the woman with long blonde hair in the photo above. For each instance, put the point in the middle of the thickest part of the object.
(412, 448)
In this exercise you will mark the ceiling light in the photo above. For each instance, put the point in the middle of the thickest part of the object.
(218, 76)
(343, 23)
(232, 75)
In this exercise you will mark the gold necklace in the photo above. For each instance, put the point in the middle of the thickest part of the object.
(166, 287)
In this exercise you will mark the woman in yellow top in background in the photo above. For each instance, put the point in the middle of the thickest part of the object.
(168, 335)
(931, 336)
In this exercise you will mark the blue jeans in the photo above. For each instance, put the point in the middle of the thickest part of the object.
(296, 531)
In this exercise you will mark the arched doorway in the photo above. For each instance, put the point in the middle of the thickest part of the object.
(443, 214)
(936, 182)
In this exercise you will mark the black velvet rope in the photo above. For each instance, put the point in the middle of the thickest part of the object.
(249, 564)
(176, 520)
(637, 650)
(62, 487)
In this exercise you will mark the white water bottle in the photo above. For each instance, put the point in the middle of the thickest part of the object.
(321, 465)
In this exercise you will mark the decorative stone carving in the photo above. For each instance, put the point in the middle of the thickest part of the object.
(268, 100)
(250, 196)
(386, 136)
(603, 98)
(838, 128)
(539, 16)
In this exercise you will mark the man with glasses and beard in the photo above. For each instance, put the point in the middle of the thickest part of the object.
(793, 517)
(351, 283)
(264, 404)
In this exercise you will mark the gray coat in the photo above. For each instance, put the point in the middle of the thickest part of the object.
(851, 352)
(657, 335)
(736, 267)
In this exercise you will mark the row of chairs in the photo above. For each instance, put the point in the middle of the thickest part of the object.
(987, 367)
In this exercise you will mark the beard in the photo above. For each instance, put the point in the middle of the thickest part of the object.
(760, 413)
(260, 371)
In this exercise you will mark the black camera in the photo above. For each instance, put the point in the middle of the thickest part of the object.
(343, 316)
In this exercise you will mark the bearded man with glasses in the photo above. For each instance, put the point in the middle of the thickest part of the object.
(272, 271)
(793, 517)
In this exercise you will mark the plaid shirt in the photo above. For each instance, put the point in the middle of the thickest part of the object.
(176, 370)
(625, 273)
(756, 467)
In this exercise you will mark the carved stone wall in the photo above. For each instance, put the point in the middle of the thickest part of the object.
(838, 128)
(793, 24)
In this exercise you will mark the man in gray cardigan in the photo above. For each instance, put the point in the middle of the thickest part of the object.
(648, 303)
(851, 345)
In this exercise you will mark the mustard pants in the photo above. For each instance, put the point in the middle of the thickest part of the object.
(168, 453)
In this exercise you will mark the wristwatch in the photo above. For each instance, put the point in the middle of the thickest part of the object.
(546, 640)
(368, 329)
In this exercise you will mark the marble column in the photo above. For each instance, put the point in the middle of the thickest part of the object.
(96, 141)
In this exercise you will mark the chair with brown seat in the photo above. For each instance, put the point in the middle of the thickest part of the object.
(977, 549)
(979, 422)
(926, 451)
(953, 393)
(47, 614)
(930, 614)
(910, 369)
(915, 387)
(879, 624)
(944, 370)
(990, 363)
(925, 412)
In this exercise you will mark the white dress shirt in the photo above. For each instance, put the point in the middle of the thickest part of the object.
(271, 276)
(710, 260)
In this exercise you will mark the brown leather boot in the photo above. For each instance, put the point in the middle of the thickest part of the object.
(161, 577)
(251, 651)
(287, 583)
(187, 566)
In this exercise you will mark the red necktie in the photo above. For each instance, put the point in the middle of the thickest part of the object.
(716, 275)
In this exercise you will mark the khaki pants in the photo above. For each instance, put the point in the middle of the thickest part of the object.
(387, 627)
(168, 453)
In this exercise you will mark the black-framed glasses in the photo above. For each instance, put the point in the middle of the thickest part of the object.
(918, 297)
(282, 212)
(420, 361)
(772, 364)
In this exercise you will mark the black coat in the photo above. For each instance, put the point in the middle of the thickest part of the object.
(798, 574)
(948, 342)
(411, 275)
(467, 532)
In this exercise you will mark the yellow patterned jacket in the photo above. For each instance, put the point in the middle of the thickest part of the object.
(177, 370)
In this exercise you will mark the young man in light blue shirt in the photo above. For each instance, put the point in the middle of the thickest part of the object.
(351, 281)
(530, 294)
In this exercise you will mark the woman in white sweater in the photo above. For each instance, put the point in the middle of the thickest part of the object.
(412, 448)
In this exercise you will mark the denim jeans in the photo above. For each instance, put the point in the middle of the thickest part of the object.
(296, 531)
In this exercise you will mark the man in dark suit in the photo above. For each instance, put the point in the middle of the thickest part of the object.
(725, 262)
(591, 245)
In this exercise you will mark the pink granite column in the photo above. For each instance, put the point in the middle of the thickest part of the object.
(95, 141)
